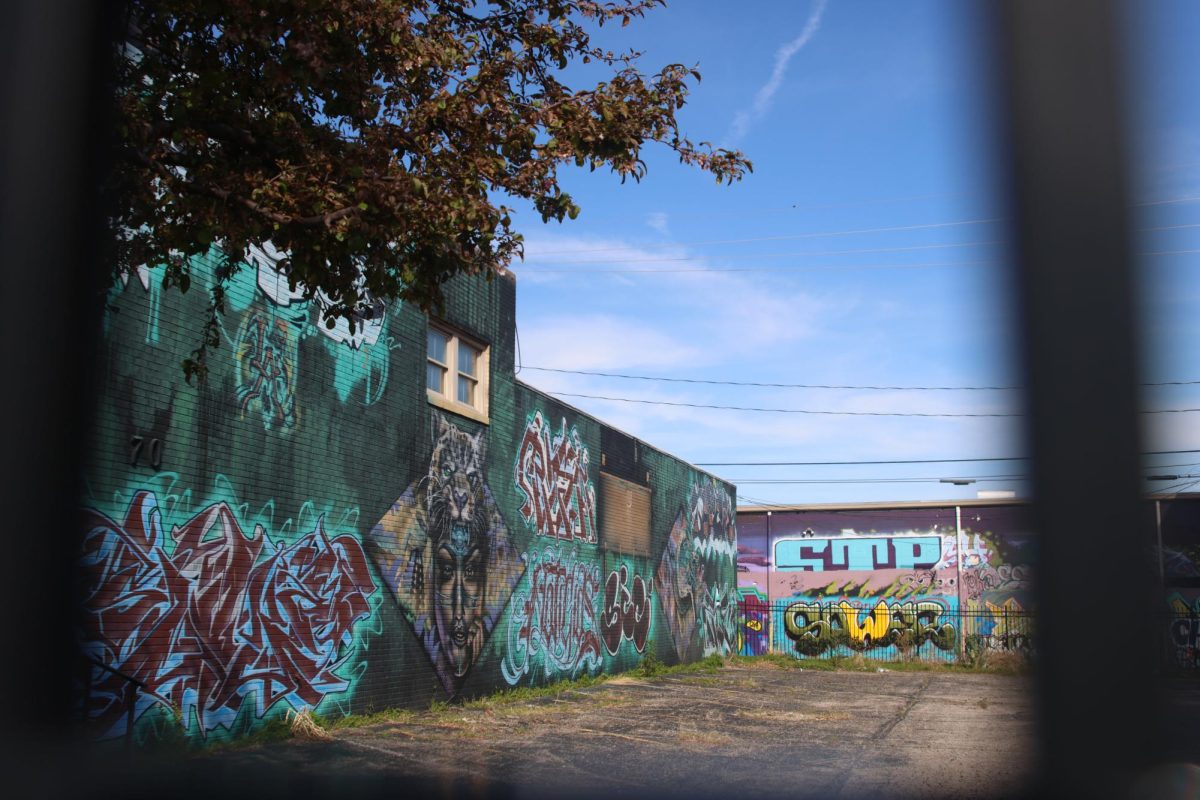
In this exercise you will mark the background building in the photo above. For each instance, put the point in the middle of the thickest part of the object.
(886, 579)
(828, 580)
(350, 520)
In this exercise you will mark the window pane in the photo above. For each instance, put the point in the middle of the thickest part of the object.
(437, 345)
(467, 356)
(434, 377)
(466, 390)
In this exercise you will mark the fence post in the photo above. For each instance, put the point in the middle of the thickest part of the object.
(958, 550)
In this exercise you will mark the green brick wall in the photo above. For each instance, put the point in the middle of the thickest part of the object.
(306, 530)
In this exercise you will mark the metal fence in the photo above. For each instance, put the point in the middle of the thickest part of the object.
(883, 630)
(924, 629)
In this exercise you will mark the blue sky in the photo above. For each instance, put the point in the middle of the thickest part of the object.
(865, 250)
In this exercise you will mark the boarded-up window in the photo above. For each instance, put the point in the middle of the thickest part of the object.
(624, 516)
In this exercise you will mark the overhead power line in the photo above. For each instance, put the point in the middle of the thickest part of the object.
(793, 268)
(790, 481)
(716, 269)
(911, 461)
(792, 237)
(755, 256)
(786, 237)
(726, 213)
(829, 413)
(924, 479)
(804, 385)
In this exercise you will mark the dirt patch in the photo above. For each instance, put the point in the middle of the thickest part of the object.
(790, 716)
(763, 732)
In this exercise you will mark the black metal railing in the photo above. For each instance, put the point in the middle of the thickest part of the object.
(926, 629)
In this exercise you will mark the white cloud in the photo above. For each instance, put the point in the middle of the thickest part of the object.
(658, 221)
(599, 342)
(722, 313)
(762, 100)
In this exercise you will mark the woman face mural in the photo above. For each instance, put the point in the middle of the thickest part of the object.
(460, 585)
(437, 545)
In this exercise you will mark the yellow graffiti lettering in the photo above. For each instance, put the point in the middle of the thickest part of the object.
(876, 624)
(754, 624)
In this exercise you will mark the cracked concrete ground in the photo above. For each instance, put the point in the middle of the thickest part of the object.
(750, 731)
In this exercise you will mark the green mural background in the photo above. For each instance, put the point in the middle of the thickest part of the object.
(305, 530)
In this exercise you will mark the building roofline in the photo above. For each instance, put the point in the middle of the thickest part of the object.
(642, 442)
(966, 503)
(973, 502)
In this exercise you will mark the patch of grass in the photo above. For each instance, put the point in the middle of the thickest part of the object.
(275, 729)
(857, 663)
(705, 680)
(521, 694)
(306, 725)
(393, 715)
(779, 717)
(710, 738)
(651, 667)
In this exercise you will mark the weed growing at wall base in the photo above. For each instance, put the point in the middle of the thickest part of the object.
(856, 663)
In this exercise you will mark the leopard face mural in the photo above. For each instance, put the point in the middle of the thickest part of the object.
(444, 551)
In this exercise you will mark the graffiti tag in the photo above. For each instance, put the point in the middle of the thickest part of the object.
(222, 619)
(834, 555)
(555, 621)
(626, 611)
(755, 613)
(695, 575)
(266, 371)
(815, 626)
(552, 473)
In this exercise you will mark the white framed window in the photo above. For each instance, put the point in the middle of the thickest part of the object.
(456, 372)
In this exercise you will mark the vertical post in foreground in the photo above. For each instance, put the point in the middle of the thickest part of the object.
(1060, 77)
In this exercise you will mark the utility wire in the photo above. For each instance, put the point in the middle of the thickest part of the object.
(789, 237)
(855, 463)
(938, 479)
(715, 269)
(932, 479)
(829, 413)
(795, 207)
(805, 385)
(783, 410)
(795, 268)
(916, 461)
(977, 479)
(791, 253)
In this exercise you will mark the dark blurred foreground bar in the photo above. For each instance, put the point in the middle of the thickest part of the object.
(1059, 74)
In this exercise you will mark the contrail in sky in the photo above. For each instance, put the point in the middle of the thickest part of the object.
(762, 100)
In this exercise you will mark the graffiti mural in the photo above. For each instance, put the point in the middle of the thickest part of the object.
(359, 346)
(858, 553)
(817, 626)
(552, 474)
(354, 544)
(266, 357)
(626, 614)
(696, 576)
(212, 619)
(755, 612)
(273, 281)
(444, 552)
(553, 622)
(985, 578)
(1183, 631)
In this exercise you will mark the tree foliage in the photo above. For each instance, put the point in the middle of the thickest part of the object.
(369, 140)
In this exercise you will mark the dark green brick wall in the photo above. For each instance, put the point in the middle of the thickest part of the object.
(306, 531)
